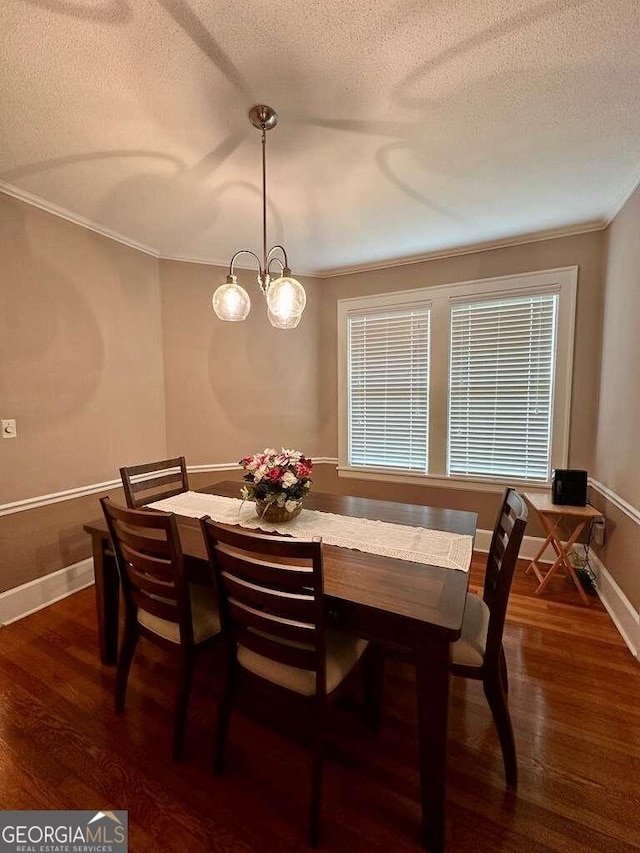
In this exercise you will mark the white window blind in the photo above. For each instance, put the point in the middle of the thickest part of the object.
(501, 387)
(388, 388)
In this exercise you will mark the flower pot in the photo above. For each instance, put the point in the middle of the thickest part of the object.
(274, 513)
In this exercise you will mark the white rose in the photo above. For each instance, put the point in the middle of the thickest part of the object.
(258, 475)
(291, 505)
(289, 479)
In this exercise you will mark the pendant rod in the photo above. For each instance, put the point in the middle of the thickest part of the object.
(264, 199)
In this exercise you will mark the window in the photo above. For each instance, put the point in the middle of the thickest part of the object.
(389, 389)
(501, 384)
(464, 382)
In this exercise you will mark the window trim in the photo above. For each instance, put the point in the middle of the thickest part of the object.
(439, 298)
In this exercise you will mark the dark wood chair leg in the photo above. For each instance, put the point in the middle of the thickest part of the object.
(317, 768)
(129, 644)
(224, 716)
(107, 591)
(182, 704)
(373, 678)
(503, 670)
(497, 700)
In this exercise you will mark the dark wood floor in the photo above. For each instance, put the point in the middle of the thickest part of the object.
(575, 701)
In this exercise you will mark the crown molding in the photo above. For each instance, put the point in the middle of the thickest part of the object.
(502, 243)
(624, 197)
(63, 213)
(224, 265)
(440, 254)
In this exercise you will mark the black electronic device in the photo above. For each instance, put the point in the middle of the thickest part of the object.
(569, 487)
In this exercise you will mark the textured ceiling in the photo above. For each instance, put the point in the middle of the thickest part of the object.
(405, 127)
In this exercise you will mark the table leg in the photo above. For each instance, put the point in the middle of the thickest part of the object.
(432, 682)
(107, 588)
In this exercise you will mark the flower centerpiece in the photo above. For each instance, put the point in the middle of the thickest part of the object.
(277, 482)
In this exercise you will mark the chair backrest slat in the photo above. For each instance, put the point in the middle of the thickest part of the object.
(271, 592)
(142, 483)
(274, 650)
(152, 585)
(249, 543)
(157, 566)
(149, 557)
(263, 572)
(501, 563)
(167, 610)
(277, 627)
(293, 605)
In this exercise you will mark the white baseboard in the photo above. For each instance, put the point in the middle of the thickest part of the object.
(41, 592)
(528, 550)
(624, 616)
(617, 605)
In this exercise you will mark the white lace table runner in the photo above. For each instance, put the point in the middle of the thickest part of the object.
(417, 544)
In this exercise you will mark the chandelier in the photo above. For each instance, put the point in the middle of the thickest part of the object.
(285, 295)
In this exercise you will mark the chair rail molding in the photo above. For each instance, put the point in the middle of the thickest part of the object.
(56, 497)
(93, 488)
(624, 506)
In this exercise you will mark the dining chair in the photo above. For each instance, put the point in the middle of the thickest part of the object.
(479, 653)
(145, 483)
(273, 616)
(160, 604)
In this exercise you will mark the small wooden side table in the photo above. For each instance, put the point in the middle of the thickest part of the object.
(551, 515)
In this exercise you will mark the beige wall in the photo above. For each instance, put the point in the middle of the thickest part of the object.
(234, 388)
(584, 250)
(42, 540)
(108, 357)
(617, 462)
(81, 364)
(81, 370)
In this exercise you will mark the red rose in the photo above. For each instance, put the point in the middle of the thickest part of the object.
(274, 474)
(302, 470)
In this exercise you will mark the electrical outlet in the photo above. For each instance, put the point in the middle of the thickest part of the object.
(598, 531)
(9, 428)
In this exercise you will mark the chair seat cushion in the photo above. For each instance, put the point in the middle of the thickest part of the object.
(204, 615)
(343, 653)
(469, 649)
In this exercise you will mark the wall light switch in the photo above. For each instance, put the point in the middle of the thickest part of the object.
(9, 428)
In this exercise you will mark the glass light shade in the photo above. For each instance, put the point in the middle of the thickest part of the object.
(289, 321)
(231, 302)
(286, 298)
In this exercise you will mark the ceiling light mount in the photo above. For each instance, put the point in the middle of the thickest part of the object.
(263, 117)
(285, 295)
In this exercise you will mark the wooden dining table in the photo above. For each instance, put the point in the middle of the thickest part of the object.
(414, 608)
